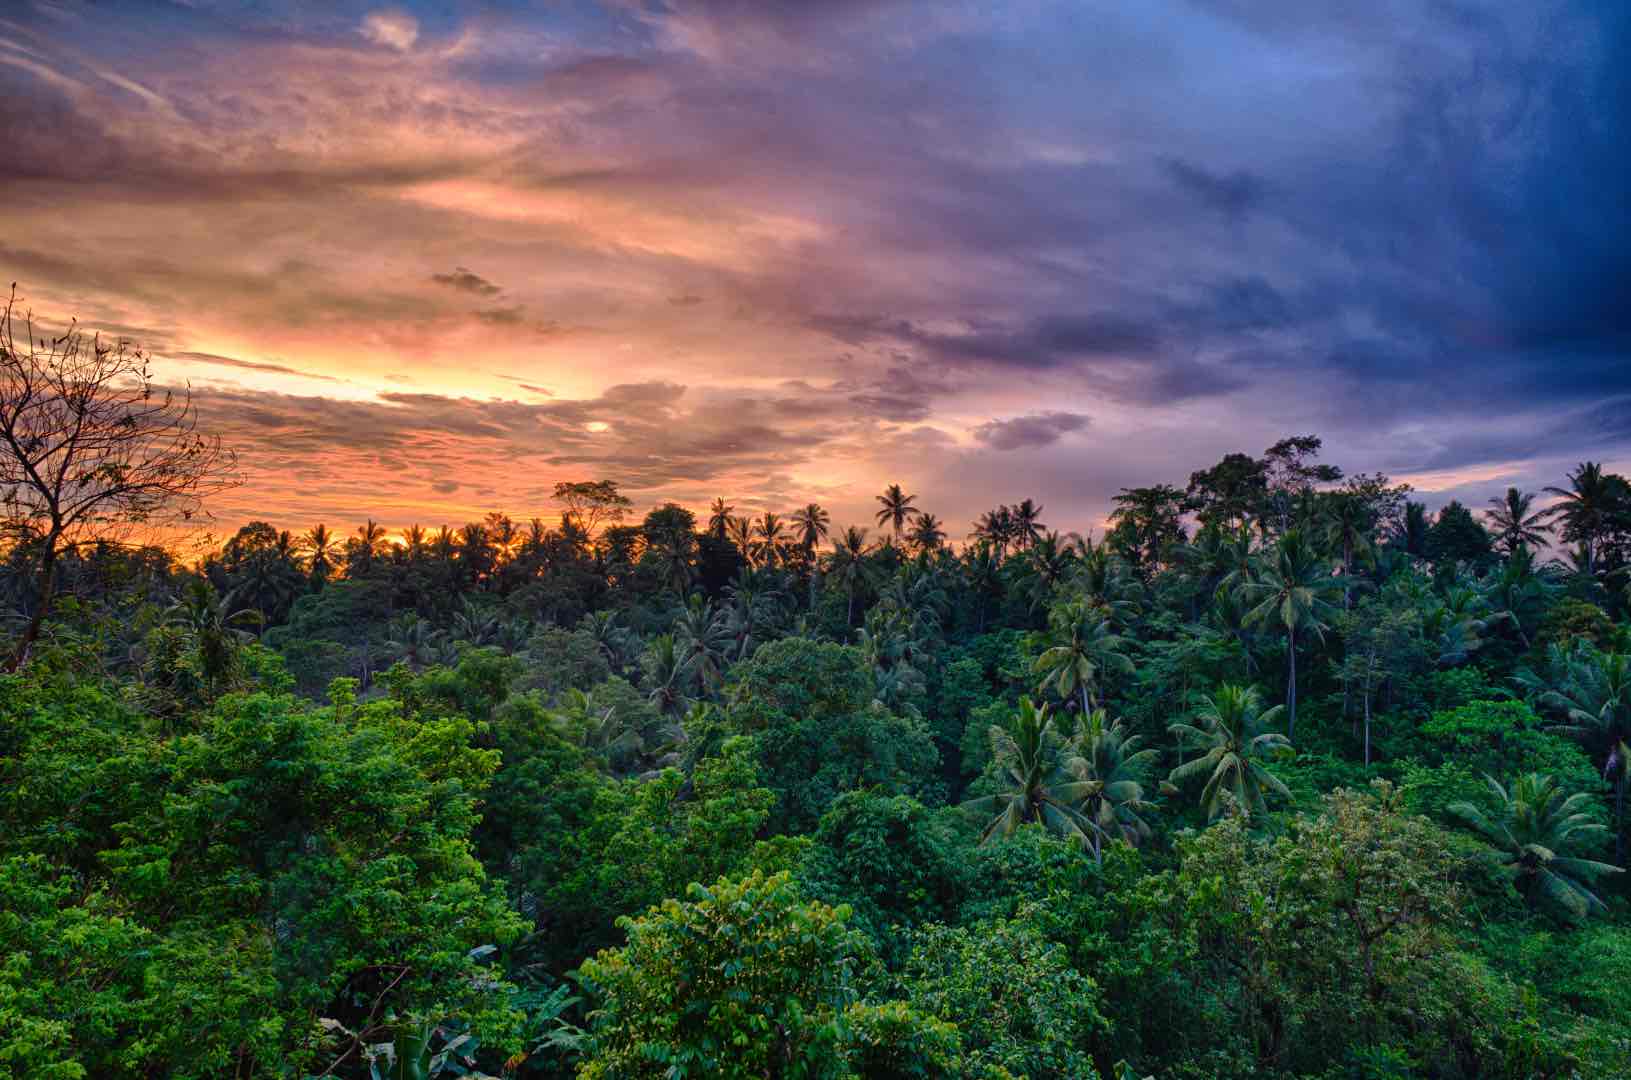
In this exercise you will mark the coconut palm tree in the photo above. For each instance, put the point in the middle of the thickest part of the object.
(810, 527)
(1028, 527)
(1236, 741)
(414, 640)
(719, 518)
(770, 537)
(702, 633)
(1107, 758)
(667, 672)
(1588, 507)
(1290, 588)
(322, 553)
(897, 508)
(982, 569)
(214, 621)
(1084, 647)
(1348, 532)
(1035, 788)
(1594, 697)
(1534, 824)
(1513, 523)
(741, 534)
(997, 528)
(927, 535)
(849, 563)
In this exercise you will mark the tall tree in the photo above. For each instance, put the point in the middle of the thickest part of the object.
(849, 565)
(1236, 740)
(897, 508)
(592, 503)
(1028, 527)
(90, 450)
(719, 518)
(811, 526)
(1083, 646)
(1516, 523)
(322, 553)
(928, 535)
(1290, 589)
(1590, 507)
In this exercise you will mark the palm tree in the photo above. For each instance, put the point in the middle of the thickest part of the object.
(1588, 507)
(927, 535)
(1027, 524)
(702, 632)
(213, 621)
(752, 597)
(414, 640)
(1084, 646)
(982, 569)
(719, 518)
(997, 528)
(667, 670)
(474, 625)
(1235, 735)
(321, 551)
(1513, 525)
(811, 526)
(1347, 530)
(1533, 824)
(1048, 561)
(741, 534)
(1109, 760)
(1290, 589)
(368, 545)
(897, 508)
(1595, 699)
(849, 563)
(769, 531)
(1036, 789)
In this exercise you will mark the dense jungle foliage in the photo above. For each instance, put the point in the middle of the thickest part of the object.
(1282, 776)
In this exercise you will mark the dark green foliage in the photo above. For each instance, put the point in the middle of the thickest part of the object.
(818, 732)
(894, 862)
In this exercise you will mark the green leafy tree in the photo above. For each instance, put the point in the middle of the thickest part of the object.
(740, 980)
(809, 708)
(1018, 1004)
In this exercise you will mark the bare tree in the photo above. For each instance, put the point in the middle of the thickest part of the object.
(90, 450)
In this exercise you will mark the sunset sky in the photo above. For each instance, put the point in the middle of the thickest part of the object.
(423, 261)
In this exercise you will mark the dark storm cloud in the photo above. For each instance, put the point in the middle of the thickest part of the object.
(1036, 429)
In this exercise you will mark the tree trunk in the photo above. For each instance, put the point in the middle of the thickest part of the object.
(42, 607)
(1086, 712)
(1291, 687)
(1367, 730)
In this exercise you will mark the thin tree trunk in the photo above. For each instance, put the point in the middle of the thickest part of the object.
(42, 608)
(1291, 687)
(1367, 730)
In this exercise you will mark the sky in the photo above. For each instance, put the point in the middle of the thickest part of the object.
(422, 261)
